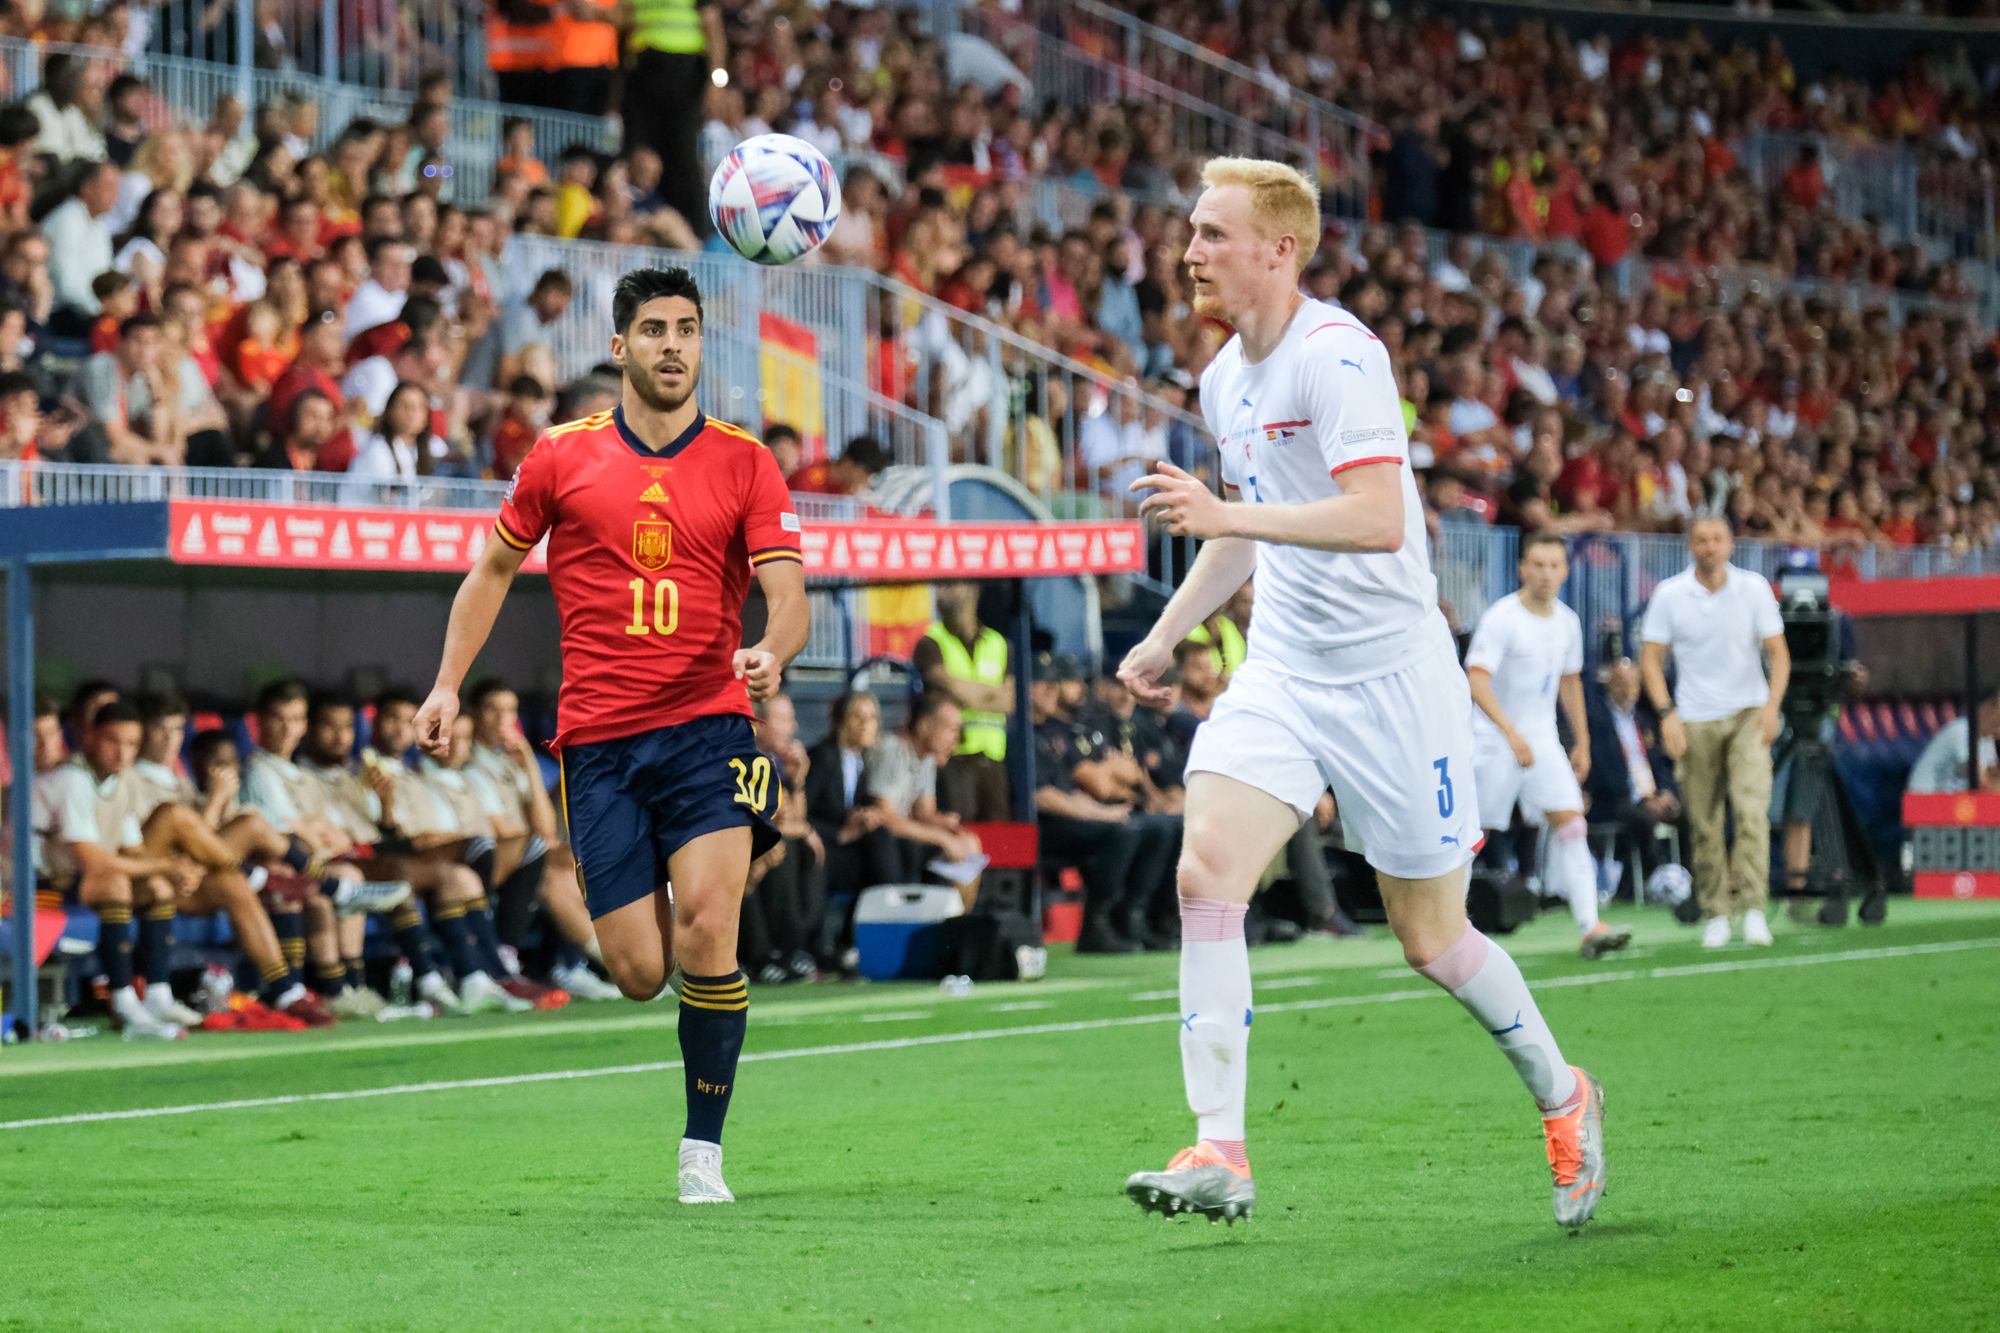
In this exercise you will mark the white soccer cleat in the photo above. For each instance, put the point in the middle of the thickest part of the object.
(161, 1004)
(1715, 935)
(1199, 1180)
(1576, 1153)
(434, 988)
(357, 1002)
(701, 1173)
(481, 994)
(138, 1023)
(1756, 930)
(355, 896)
(584, 984)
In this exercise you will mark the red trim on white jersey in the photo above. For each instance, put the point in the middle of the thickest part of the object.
(1363, 462)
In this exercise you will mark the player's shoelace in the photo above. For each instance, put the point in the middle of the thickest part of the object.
(1565, 1143)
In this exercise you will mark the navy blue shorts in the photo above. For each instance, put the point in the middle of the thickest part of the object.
(633, 802)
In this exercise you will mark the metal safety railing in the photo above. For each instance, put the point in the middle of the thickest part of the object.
(1932, 197)
(1335, 138)
(188, 90)
(363, 43)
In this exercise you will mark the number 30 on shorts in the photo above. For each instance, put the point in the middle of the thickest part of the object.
(753, 782)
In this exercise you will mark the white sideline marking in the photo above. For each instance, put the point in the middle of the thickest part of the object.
(899, 1016)
(1288, 983)
(1149, 996)
(1023, 1006)
(992, 1034)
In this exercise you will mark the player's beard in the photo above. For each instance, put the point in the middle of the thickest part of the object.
(1204, 302)
(654, 393)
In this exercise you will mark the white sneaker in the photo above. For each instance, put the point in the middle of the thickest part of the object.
(481, 994)
(1715, 934)
(355, 896)
(1756, 930)
(701, 1173)
(138, 1023)
(434, 988)
(161, 1004)
(357, 1002)
(584, 984)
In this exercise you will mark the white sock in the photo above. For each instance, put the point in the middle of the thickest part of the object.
(1479, 975)
(1575, 872)
(293, 994)
(594, 951)
(1215, 1017)
(126, 998)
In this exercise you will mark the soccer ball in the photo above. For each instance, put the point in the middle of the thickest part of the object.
(1669, 885)
(774, 198)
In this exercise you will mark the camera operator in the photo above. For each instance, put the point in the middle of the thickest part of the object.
(1824, 669)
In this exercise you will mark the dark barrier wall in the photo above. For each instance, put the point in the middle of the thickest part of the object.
(1855, 45)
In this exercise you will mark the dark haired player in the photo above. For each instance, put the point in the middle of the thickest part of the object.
(656, 517)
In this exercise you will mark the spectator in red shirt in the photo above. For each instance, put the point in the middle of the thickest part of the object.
(850, 474)
(310, 425)
(1804, 181)
(1607, 233)
(321, 358)
(118, 300)
(527, 416)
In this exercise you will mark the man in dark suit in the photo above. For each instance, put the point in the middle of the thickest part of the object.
(1631, 781)
(860, 853)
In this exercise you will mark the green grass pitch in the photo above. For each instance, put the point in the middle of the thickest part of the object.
(1800, 1138)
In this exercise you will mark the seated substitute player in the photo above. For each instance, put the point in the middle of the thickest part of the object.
(1526, 652)
(238, 850)
(534, 866)
(296, 802)
(655, 518)
(1351, 682)
(363, 801)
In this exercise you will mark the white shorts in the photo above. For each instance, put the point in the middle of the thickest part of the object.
(1396, 750)
(1546, 785)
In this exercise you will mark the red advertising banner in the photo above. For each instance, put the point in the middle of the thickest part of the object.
(265, 536)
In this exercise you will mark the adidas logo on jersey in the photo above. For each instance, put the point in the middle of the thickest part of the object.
(653, 495)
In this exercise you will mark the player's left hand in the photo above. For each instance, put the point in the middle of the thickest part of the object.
(1579, 761)
(760, 671)
(1768, 725)
(1182, 504)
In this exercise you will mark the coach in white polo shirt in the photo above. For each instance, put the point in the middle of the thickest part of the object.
(1720, 620)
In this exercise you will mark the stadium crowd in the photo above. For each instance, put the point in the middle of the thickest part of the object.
(222, 293)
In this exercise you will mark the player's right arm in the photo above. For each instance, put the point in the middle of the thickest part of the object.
(1483, 656)
(473, 611)
(525, 517)
(1223, 565)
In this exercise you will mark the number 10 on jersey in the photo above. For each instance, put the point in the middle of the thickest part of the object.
(666, 608)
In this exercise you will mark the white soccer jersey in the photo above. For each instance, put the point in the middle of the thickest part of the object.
(1323, 401)
(1528, 656)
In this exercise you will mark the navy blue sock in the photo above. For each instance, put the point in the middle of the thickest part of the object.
(414, 940)
(569, 956)
(456, 936)
(715, 1011)
(298, 856)
(479, 919)
(290, 928)
(156, 943)
(114, 944)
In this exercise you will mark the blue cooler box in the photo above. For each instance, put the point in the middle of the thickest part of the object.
(899, 930)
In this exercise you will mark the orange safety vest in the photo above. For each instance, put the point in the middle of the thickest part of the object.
(587, 43)
(516, 48)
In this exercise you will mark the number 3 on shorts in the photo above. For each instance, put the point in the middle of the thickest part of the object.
(1445, 801)
(753, 782)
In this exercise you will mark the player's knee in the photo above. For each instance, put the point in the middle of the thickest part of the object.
(637, 978)
(1202, 873)
(706, 922)
(105, 888)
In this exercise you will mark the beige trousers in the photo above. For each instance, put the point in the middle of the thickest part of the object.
(1727, 760)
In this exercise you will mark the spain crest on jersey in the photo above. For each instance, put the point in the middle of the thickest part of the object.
(652, 543)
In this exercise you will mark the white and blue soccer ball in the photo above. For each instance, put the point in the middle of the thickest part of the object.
(1669, 885)
(774, 198)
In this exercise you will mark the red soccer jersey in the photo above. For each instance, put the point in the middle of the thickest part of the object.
(650, 557)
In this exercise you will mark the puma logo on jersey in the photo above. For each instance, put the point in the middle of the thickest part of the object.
(653, 495)
(1356, 364)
